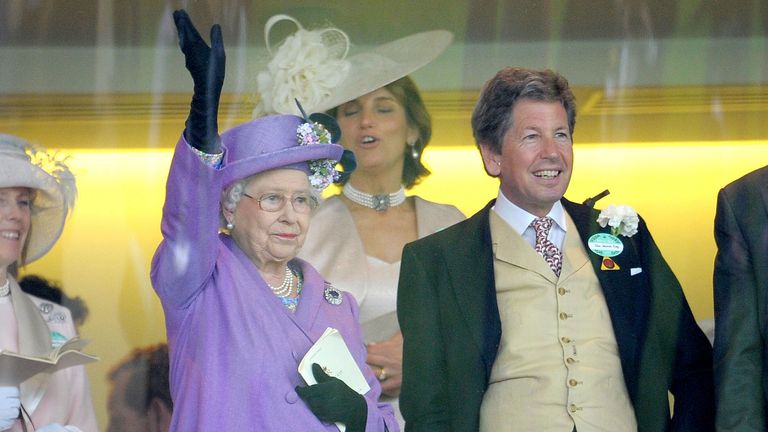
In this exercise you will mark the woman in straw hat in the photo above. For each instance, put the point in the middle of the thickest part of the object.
(37, 191)
(241, 312)
(358, 236)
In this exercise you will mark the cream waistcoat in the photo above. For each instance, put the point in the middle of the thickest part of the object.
(558, 363)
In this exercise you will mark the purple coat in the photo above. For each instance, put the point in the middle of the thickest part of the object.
(234, 348)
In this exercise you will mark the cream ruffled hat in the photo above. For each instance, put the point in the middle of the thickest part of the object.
(312, 66)
(24, 165)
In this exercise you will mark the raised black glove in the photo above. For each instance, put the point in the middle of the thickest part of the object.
(206, 65)
(331, 400)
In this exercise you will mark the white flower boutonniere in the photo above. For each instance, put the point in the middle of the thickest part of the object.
(622, 219)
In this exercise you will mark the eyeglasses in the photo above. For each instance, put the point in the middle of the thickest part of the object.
(274, 202)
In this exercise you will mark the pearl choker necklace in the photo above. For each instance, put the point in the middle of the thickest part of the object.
(378, 202)
(285, 288)
(6, 288)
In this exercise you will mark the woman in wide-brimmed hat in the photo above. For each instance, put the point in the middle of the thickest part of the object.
(358, 236)
(37, 190)
(241, 311)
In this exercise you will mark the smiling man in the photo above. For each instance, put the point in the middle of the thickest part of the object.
(530, 316)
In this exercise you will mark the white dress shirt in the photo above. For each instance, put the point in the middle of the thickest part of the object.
(520, 220)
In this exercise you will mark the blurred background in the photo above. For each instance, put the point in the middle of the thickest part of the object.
(671, 97)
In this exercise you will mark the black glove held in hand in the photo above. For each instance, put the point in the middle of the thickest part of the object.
(206, 65)
(333, 401)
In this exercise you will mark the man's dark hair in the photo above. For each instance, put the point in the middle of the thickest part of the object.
(492, 116)
(149, 370)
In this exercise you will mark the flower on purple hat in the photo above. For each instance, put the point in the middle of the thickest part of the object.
(323, 170)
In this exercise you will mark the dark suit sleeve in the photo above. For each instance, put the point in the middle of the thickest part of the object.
(738, 356)
(423, 396)
(673, 332)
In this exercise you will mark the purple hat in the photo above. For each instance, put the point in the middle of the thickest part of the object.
(280, 141)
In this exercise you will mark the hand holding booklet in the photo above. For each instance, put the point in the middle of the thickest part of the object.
(333, 355)
(16, 368)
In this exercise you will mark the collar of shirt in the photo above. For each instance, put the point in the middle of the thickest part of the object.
(520, 220)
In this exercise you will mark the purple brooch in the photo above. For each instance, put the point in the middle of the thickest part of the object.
(332, 295)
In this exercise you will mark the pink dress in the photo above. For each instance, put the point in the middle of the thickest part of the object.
(33, 326)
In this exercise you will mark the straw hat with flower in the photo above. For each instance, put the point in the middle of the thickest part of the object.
(24, 165)
(313, 67)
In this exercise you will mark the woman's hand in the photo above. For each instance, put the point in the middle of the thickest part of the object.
(207, 66)
(331, 400)
(386, 360)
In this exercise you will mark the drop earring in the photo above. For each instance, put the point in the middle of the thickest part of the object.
(230, 225)
(414, 152)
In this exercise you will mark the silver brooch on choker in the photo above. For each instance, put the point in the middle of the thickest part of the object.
(332, 295)
(379, 202)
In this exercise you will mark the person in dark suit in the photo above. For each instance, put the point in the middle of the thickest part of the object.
(530, 315)
(741, 299)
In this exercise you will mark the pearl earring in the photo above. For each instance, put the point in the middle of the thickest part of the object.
(414, 152)
(230, 225)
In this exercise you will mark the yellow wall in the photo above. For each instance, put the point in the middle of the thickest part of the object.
(104, 255)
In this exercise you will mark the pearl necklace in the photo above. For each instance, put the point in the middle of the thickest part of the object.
(6, 288)
(378, 202)
(285, 288)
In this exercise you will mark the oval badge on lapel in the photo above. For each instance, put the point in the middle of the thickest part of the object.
(605, 245)
(332, 295)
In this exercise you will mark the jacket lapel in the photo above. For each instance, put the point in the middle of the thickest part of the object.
(625, 294)
(511, 248)
(34, 339)
(469, 263)
(573, 259)
(764, 191)
(308, 305)
(312, 299)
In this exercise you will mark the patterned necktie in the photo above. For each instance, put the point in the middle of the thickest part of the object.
(546, 248)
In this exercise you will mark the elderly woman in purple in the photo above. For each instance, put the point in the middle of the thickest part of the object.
(241, 311)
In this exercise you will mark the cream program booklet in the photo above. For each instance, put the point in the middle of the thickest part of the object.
(333, 355)
(16, 368)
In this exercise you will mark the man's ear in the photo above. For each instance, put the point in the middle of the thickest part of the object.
(491, 160)
(158, 416)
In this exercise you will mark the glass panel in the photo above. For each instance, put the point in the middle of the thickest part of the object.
(671, 98)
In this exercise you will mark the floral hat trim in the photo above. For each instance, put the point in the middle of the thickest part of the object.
(314, 66)
(319, 128)
(308, 65)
